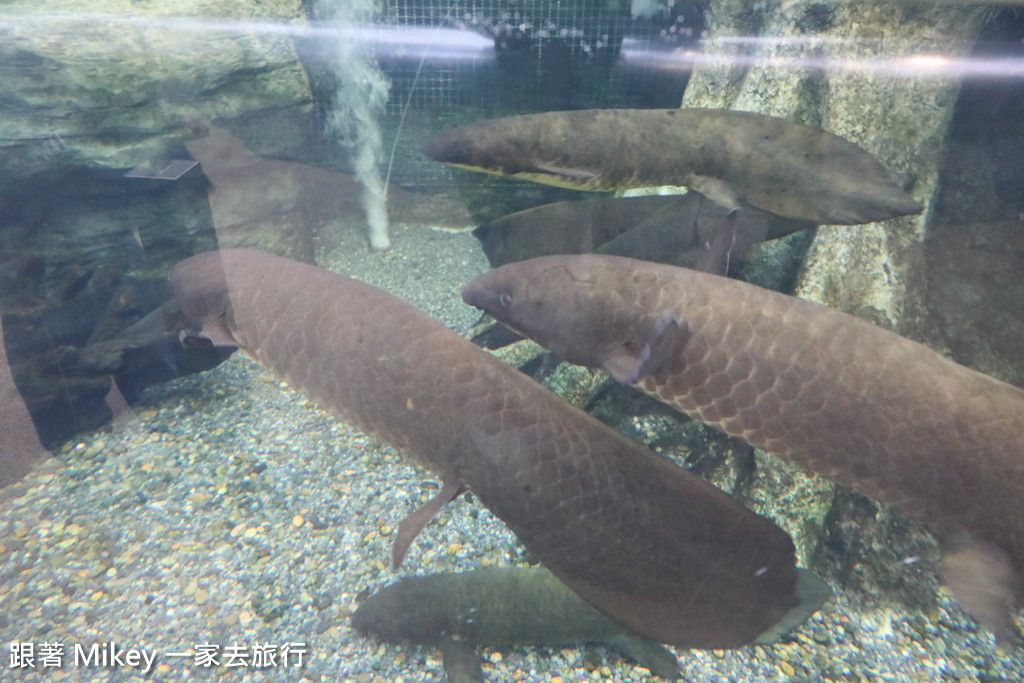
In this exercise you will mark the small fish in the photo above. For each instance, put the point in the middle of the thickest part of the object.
(646, 542)
(848, 400)
(785, 168)
(499, 606)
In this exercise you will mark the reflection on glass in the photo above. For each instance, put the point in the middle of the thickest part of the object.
(202, 517)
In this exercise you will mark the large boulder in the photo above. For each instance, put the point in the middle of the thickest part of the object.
(118, 85)
(852, 68)
(88, 95)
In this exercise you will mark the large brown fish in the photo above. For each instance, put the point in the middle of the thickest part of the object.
(785, 168)
(683, 230)
(646, 542)
(667, 229)
(833, 393)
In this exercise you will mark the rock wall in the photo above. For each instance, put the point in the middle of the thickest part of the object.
(853, 68)
(114, 83)
(90, 91)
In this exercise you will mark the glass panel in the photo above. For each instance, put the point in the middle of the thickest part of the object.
(247, 428)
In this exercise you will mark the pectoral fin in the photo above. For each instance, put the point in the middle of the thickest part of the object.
(717, 251)
(577, 175)
(410, 527)
(461, 662)
(714, 189)
(647, 653)
(651, 354)
(216, 331)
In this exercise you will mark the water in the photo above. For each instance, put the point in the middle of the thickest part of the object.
(356, 107)
(218, 508)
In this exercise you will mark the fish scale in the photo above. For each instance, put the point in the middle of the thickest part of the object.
(643, 540)
(851, 401)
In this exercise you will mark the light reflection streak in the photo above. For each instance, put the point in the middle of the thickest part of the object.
(414, 42)
(911, 65)
(411, 41)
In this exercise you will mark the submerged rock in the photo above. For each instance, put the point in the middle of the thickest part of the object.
(848, 68)
(116, 85)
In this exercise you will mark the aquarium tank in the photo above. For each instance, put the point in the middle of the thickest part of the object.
(512, 340)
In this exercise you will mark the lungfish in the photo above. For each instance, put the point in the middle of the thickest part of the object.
(497, 606)
(683, 230)
(850, 401)
(648, 543)
(785, 168)
(666, 229)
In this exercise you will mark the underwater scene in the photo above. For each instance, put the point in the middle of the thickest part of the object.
(512, 340)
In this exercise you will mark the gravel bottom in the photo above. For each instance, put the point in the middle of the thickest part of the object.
(231, 512)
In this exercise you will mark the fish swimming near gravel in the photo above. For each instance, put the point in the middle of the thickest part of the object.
(848, 400)
(667, 229)
(785, 168)
(497, 606)
(643, 540)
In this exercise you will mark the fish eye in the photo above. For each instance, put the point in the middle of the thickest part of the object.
(505, 300)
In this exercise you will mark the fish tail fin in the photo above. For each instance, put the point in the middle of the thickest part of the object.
(982, 579)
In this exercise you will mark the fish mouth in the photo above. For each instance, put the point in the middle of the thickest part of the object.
(489, 299)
